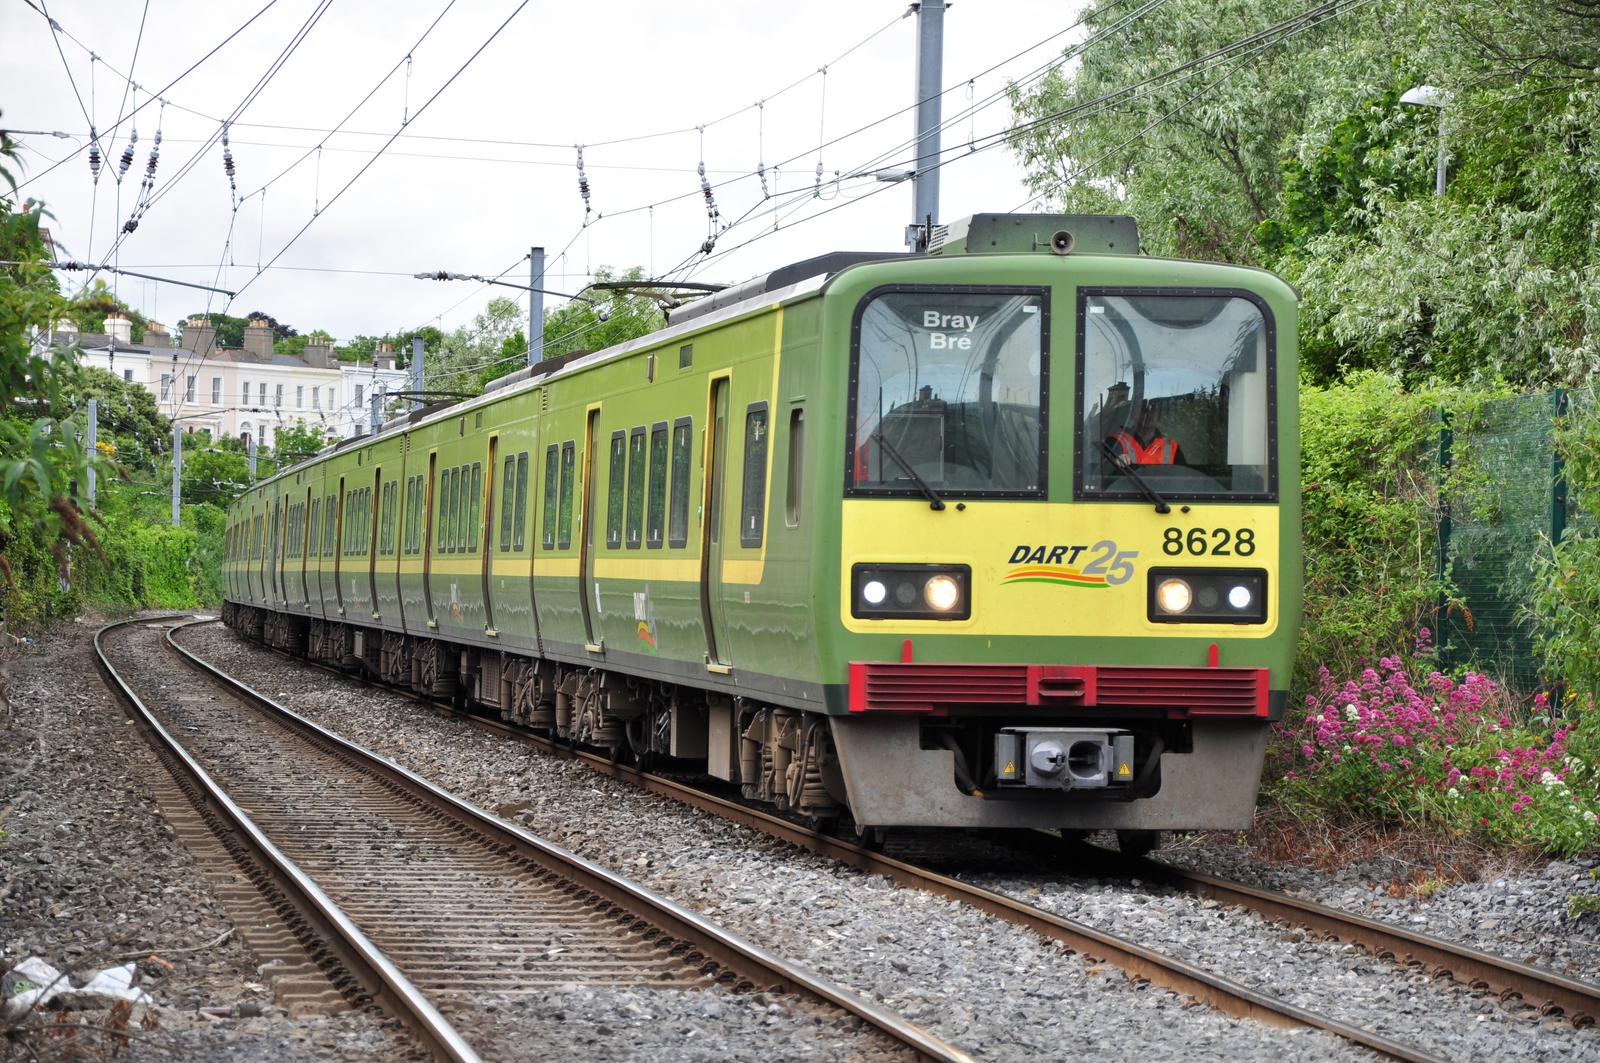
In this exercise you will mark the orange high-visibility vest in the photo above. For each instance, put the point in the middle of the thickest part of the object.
(1160, 451)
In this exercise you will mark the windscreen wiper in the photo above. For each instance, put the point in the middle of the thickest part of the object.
(1149, 492)
(934, 501)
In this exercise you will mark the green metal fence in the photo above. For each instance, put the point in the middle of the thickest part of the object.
(1502, 502)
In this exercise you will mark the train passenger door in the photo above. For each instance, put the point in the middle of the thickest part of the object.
(587, 588)
(272, 555)
(712, 533)
(339, 548)
(487, 538)
(305, 552)
(428, 502)
(374, 523)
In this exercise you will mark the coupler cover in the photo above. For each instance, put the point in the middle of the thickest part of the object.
(1063, 758)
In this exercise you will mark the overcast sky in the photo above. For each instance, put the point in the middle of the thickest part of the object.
(487, 168)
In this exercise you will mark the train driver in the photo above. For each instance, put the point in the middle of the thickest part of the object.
(1144, 445)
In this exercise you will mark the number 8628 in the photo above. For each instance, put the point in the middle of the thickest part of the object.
(1219, 542)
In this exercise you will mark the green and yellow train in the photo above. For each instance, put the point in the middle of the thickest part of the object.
(1003, 535)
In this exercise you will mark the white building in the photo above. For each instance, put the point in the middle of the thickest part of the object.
(248, 392)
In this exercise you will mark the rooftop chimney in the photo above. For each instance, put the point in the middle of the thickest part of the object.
(384, 359)
(156, 335)
(259, 338)
(200, 336)
(319, 355)
(119, 329)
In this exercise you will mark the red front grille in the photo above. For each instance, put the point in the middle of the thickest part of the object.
(909, 687)
(922, 687)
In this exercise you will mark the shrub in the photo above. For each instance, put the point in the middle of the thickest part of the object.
(1407, 743)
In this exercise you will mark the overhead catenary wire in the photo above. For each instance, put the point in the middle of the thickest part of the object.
(428, 103)
(1261, 40)
(160, 94)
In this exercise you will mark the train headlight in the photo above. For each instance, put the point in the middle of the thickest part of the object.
(1173, 596)
(1207, 596)
(911, 592)
(942, 593)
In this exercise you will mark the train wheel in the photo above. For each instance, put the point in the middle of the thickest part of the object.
(1138, 842)
(828, 825)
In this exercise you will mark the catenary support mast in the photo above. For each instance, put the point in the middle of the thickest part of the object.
(930, 79)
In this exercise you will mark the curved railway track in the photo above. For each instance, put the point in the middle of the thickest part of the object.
(405, 894)
(1551, 993)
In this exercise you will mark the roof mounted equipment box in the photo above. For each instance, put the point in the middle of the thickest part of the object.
(1095, 234)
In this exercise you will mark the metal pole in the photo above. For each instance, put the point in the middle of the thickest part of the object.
(930, 79)
(1438, 174)
(177, 474)
(416, 372)
(535, 305)
(94, 439)
(377, 409)
(252, 457)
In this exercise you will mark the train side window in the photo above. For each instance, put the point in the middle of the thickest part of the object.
(797, 450)
(443, 506)
(568, 471)
(636, 488)
(391, 492)
(658, 485)
(508, 501)
(475, 508)
(551, 458)
(616, 489)
(330, 524)
(752, 513)
(316, 528)
(519, 540)
(419, 536)
(410, 508)
(678, 513)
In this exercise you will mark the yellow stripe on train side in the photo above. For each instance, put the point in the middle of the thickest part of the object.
(1054, 568)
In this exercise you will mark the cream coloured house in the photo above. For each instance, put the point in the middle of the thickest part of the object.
(250, 392)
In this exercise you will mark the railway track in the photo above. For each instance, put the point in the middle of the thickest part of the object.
(408, 897)
(1552, 994)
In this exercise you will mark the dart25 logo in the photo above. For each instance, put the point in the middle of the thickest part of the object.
(1100, 565)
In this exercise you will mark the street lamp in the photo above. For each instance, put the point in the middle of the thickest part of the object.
(1430, 96)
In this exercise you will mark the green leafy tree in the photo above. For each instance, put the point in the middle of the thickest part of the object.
(42, 453)
(214, 475)
(130, 429)
(577, 326)
(90, 307)
(297, 442)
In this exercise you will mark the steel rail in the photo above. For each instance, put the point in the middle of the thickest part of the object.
(1224, 994)
(1552, 993)
(717, 943)
(377, 975)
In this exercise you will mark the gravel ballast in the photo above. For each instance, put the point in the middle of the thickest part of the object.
(93, 875)
(987, 986)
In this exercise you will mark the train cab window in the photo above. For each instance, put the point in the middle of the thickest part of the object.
(508, 505)
(949, 387)
(1178, 388)
(568, 471)
(475, 509)
(635, 529)
(616, 489)
(656, 516)
(797, 450)
(678, 512)
(753, 506)
(552, 459)
(519, 540)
